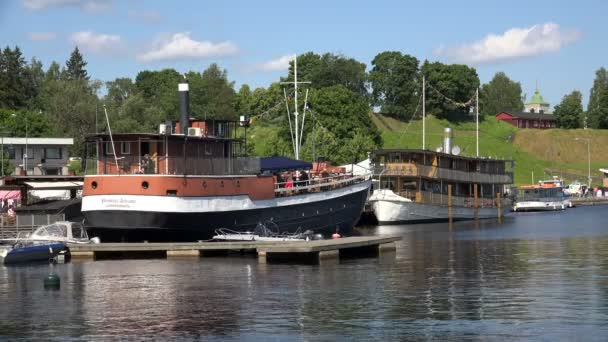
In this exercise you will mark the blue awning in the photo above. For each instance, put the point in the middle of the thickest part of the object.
(279, 164)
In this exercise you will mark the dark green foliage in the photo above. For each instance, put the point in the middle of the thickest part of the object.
(212, 96)
(395, 84)
(72, 106)
(500, 94)
(340, 117)
(569, 113)
(451, 89)
(597, 109)
(17, 86)
(159, 90)
(330, 69)
(75, 67)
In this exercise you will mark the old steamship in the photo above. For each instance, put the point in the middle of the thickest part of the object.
(184, 182)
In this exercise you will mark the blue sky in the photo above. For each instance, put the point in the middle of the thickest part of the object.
(560, 44)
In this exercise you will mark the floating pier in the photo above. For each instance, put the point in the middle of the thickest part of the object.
(314, 250)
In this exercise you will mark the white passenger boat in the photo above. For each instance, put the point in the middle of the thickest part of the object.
(540, 197)
(424, 186)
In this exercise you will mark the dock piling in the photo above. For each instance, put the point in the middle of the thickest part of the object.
(498, 200)
(475, 201)
(450, 203)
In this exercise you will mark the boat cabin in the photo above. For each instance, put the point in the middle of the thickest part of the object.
(425, 176)
(208, 147)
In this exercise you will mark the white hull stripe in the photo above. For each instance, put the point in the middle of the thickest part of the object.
(392, 211)
(169, 204)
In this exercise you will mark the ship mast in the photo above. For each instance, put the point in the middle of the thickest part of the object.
(298, 131)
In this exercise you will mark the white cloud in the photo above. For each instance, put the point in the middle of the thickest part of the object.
(96, 42)
(277, 64)
(41, 36)
(146, 16)
(181, 46)
(85, 5)
(513, 43)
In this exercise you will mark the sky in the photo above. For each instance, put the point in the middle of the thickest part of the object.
(559, 44)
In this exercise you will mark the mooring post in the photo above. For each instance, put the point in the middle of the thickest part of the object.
(498, 200)
(262, 257)
(450, 203)
(475, 200)
(183, 253)
(90, 255)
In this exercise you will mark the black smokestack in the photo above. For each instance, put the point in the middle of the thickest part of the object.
(184, 107)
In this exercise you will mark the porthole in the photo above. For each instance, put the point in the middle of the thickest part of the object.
(222, 184)
(94, 184)
(145, 184)
(204, 184)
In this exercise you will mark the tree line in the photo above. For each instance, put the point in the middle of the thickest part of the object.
(63, 100)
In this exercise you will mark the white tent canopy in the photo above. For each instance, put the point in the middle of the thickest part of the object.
(361, 168)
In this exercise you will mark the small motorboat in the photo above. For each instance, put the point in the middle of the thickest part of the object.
(59, 232)
(263, 232)
(47, 243)
(21, 253)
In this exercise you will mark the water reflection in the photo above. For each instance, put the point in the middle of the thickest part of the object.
(534, 276)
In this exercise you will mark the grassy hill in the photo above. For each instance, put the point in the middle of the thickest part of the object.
(533, 151)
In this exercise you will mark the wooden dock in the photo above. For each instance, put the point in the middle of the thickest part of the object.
(315, 250)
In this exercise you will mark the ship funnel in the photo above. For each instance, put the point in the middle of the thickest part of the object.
(447, 140)
(184, 106)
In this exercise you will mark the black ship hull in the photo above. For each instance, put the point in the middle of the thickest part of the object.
(325, 217)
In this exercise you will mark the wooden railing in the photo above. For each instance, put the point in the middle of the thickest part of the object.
(433, 172)
(428, 197)
(316, 184)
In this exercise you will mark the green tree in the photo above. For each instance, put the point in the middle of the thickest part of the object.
(450, 89)
(16, 88)
(344, 114)
(243, 100)
(72, 105)
(395, 83)
(53, 73)
(358, 146)
(320, 142)
(597, 109)
(159, 90)
(330, 69)
(76, 66)
(569, 112)
(212, 96)
(500, 94)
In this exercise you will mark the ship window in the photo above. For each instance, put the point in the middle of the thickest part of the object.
(145, 184)
(125, 148)
(109, 149)
(94, 185)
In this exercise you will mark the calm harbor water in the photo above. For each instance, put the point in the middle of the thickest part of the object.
(536, 276)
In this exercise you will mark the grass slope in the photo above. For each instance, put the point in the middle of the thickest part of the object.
(532, 150)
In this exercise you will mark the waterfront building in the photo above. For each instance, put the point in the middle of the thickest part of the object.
(38, 156)
(536, 114)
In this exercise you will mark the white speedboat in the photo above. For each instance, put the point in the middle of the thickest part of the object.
(59, 232)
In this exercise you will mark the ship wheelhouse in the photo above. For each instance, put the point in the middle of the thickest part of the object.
(210, 147)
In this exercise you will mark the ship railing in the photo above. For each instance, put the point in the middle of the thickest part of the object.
(162, 165)
(317, 184)
(433, 172)
(429, 197)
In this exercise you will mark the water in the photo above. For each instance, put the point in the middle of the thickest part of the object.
(537, 276)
